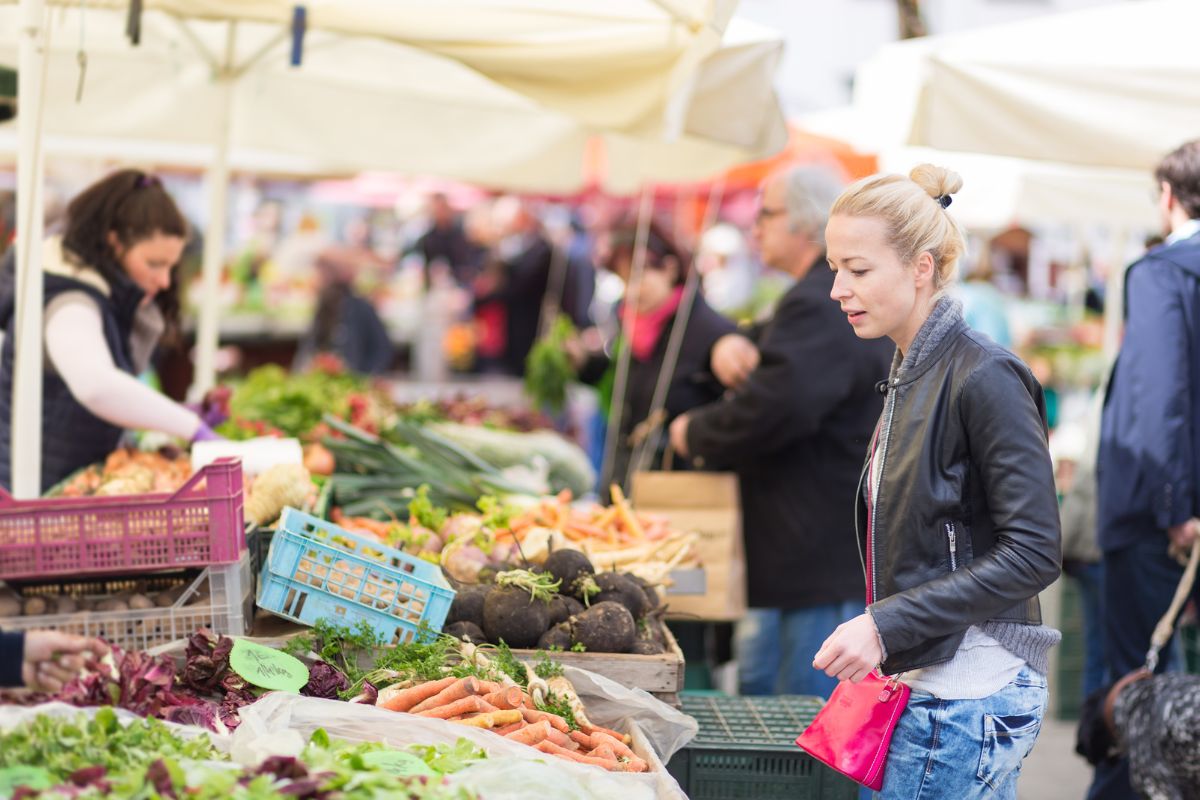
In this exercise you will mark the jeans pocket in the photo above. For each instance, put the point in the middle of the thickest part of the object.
(1007, 740)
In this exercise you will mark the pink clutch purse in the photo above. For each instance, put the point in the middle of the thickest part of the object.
(853, 732)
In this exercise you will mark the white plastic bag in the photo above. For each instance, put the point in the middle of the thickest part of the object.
(612, 705)
(355, 722)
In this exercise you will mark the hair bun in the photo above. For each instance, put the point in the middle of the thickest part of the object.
(936, 181)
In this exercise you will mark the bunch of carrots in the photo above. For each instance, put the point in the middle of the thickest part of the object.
(614, 526)
(511, 712)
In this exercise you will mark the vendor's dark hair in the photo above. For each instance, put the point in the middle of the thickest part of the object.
(659, 245)
(1181, 169)
(134, 206)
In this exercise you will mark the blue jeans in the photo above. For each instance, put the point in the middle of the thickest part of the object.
(775, 648)
(965, 749)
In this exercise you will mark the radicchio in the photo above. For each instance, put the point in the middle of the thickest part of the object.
(326, 681)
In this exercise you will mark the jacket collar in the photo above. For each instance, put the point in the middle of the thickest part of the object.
(62, 263)
(931, 341)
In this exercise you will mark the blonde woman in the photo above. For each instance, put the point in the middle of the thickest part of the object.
(957, 515)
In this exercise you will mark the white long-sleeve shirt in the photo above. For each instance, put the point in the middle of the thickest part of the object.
(77, 351)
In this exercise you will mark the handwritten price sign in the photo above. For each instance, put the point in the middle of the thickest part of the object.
(268, 668)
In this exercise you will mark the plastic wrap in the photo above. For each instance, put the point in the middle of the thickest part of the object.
(612, 705)
(277, 712)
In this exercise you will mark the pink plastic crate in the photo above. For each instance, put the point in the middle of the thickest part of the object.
(195, 526)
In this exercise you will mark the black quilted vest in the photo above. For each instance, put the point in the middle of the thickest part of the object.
(72, 437)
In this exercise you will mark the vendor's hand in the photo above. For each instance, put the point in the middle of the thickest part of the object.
(733, 358)
(52, 658)
(679, 433)
(851, 651)
(1182, 537)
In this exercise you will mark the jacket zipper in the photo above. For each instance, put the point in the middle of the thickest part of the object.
(871, 551)
(952, 536)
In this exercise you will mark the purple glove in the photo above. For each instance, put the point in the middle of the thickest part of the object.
(206, 434)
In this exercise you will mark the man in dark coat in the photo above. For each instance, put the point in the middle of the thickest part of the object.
(1149, 458)
(796, 430)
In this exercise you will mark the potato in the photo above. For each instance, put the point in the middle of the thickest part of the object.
(65, 605)
(139, 602)
(10, 606)
(35, 607)
(112, 604)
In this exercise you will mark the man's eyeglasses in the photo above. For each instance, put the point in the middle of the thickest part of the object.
(765, 213)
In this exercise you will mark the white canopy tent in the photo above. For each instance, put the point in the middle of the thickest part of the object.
(501, 101)
(1112, 86)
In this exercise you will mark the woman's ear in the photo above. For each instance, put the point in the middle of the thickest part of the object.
(114, 242)
(924, 269)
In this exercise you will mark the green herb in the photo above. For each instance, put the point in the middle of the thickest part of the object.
(424, 512)
(541, 586)
(546, 668)
(496, 515)
(548, 369)
(447, 758)
(578, 647)
(556, 704)
(504, 660)
(62, 745)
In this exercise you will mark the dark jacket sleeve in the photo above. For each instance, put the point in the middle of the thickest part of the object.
(1003, 413)
(1156, 359)
(12, 652)
(800, 380)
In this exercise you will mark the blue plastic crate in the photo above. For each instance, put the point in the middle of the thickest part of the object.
(316, 570)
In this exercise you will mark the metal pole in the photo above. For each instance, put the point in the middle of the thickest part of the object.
(649, 445)
(617, 408)
(26, 437)
(217, 180)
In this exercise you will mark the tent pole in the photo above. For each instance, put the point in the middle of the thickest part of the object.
(617, 404)
(217, 180)
(26, 450)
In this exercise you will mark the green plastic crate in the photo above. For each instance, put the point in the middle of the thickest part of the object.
(746, 749)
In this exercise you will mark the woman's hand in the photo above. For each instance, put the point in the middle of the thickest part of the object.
(733, 358)
(52, 659)
(679, 435)
(851, 651)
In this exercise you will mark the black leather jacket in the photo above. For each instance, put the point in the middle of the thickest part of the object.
(966, 525)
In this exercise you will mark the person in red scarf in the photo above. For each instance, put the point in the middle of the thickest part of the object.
(647, 316)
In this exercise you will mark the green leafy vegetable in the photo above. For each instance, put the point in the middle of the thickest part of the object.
(548, 369)
(424, 512)
(547, 668)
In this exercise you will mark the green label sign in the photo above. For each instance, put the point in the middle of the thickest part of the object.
(394, 762)
(22, 775)
(268, 668)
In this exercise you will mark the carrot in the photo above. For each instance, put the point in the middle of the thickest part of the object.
(604, 751)
(510, 697)
(530, 734)
(564, 497)
(607, 517)
(466, 705)
(561, 739)
(627, 517)
(584, 529)
(405, 699)
(516, 726)
(533, 715)
(623, 738)
(552, 749)
(600, 738)
(582, 739)
(455, 690)
(492, 719)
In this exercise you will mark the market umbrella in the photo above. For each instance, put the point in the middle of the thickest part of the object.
(1111, 86)
(374, 80)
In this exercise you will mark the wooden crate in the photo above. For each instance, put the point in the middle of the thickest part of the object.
(660, 675)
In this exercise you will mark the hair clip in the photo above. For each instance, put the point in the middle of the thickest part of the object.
(944, 200)
(145, 181)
